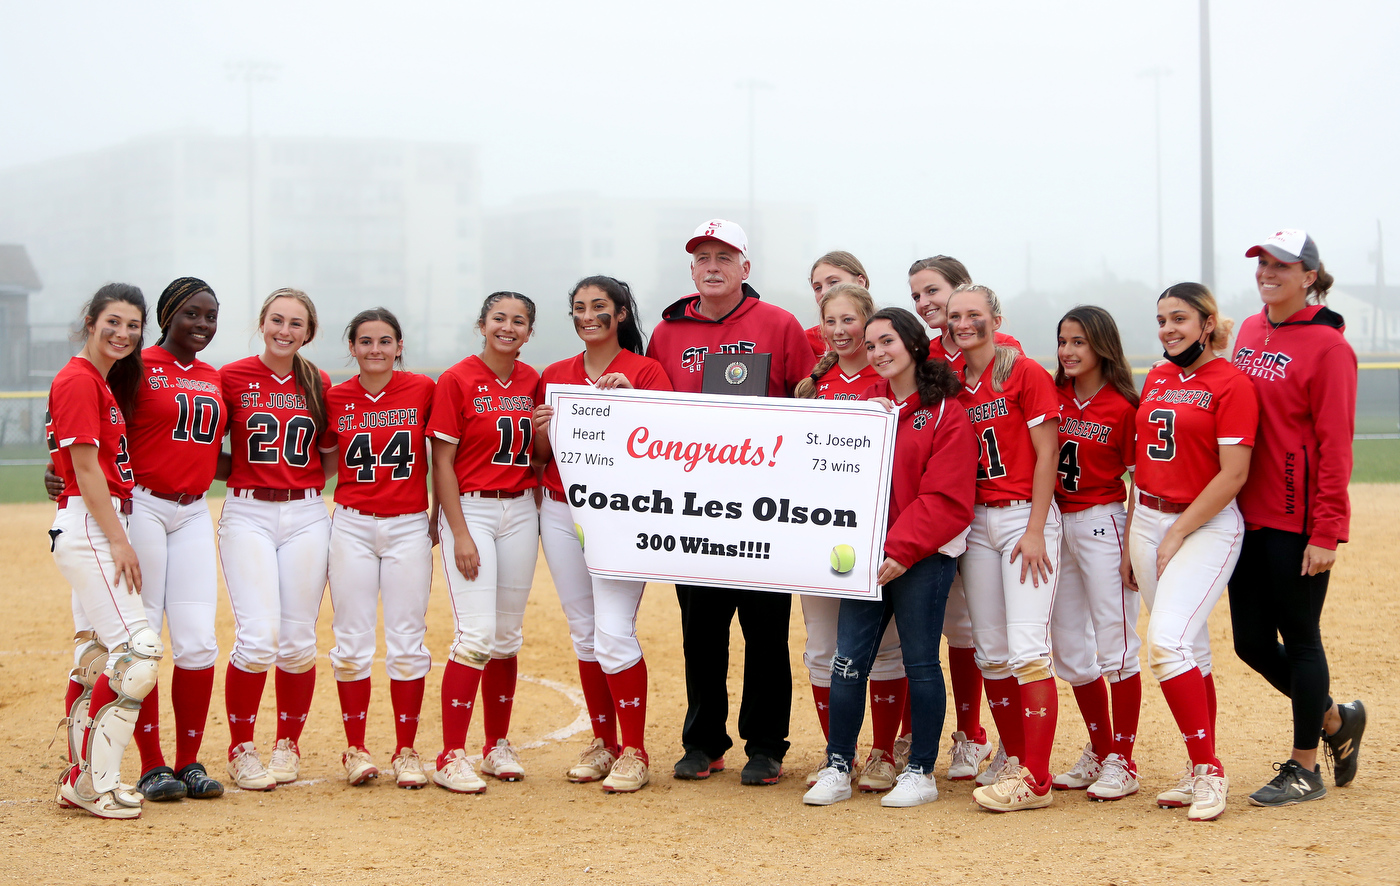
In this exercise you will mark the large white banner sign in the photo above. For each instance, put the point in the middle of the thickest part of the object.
(737, 492)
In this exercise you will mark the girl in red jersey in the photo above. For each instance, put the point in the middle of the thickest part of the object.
(1305, 373)
(1195, 427)
(832, 269)
(116, 650)
(490, 533)
(602, 612)
(931, 501)
(1094, 621)
(1014, 410)
(932, 282)
(273, 535)
(844, 373)
(381, 543)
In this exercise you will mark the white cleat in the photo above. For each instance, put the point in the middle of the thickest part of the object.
(1208, 793)
(1084, 772)
(630, 773)
(1183, 794)
(503, 762)
(285, 764)
(594, 764)
(103, 805)
(247, 769)
(1117, 780)
(457, 775)
(990, 775)
(1013, 791)
(408, 769)
(967, 757)
(359, 768)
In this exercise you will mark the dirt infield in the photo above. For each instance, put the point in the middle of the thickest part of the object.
(545, 830)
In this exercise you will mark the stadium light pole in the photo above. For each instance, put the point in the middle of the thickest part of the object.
(251, 72)
(753, 86)
(1207, 163)
(1157, 73)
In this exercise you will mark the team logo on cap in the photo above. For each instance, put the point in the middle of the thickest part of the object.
(735, 373)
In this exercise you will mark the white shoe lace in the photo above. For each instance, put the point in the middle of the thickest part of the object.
(409, 761)
(629, 767)
(909, 782)
(965, 754)
(998, 764)
(829, 778)
(1115, 773)
(1206, 791)
(247, 765)
(502, 754)
(1086, 765)
(596, 756)
(283, 757)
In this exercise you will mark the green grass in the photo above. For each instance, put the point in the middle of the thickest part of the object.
(25, 483)
(1376, 461)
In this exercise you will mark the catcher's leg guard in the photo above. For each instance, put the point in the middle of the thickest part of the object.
(131, 676)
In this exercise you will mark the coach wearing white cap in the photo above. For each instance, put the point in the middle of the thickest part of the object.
(726, 316)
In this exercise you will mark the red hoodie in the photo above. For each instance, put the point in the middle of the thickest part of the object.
(684, 336)
(1305, 373)
(933, 483)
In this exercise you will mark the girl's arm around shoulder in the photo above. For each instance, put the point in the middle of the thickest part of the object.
(947, 490)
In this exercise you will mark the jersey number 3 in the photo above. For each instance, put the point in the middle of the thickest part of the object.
(1165, 447)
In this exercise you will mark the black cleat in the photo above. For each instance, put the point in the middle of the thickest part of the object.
(761, 769)
(1344, 745)
(160, 785)
(697, 765)
(198, 784)
(1292, 785)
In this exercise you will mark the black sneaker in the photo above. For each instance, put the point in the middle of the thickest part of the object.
(198, 784)
(697, 765)
(1293, 784)
(1343, 746)
(160, 785)
(761, 769)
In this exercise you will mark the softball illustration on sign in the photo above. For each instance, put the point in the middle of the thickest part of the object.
(579, 530)
(843, 558)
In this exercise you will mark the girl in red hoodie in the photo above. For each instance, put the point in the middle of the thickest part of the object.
(1295, 505)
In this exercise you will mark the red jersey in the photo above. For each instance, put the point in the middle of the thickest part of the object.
(837, 385)
(817, 341)
(932, 485)
(382, 467)
(644, 373)
(82, 409)
(179, 426)
(1183, 421)
(489, 420)
(684, 336)
(1002, 420)
(954, 358)
(1097, 444)
(274, 436)
(1305, 374)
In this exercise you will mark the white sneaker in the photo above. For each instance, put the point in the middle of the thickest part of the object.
(1014, 790)
(912, 788)
(359, 768)
(1208, 793)
(1084, 773)
(503, 762)
(993, 771)
(593, 764)
(457, 774)
(1184, 792)
(408, 769)
(630, 773)
(1117, 780)
(285, 764)
(832, 786)
(967, 757)
(247, 769)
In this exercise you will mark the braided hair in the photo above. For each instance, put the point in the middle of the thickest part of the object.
(180, 290)
(860, 297)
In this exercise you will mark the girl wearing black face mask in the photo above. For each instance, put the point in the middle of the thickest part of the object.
(1195, 431)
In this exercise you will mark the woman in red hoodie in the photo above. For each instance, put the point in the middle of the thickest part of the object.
(1295, 506)
(932, 491)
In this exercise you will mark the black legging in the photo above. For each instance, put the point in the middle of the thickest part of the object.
(1269, 599)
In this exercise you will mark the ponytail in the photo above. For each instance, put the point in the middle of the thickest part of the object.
(936, 382)
(1002, 364)
(308, 379)
(1317, 293)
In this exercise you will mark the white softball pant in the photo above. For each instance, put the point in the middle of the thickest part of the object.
(957, 623)
(819, 614)
(490, 612)
(370, 556)
(1093, 627)
(84, 558)
(274, 560)
(1010, 620)
(1178, 636)
(175, 545)
(602, 612)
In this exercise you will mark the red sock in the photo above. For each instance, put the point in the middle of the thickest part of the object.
(497, 698)
(1004, 698)
(294, 693)
(74, 690)
(629, 689)
(407, 698)
(1210, 703)
(1127, 704)
(190, 692)
(354, 710)
(601, 712)
(967, 692)
(242, 695)
(887, 702)
(822, 696)
(1093, 704)
(147, 733)
(1186, 696)
(1040, 710)
(459, 684)
(102, 695)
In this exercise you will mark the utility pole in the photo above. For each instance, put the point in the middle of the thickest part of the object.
(1157, 73)
(752, 85)
(1380, 289)
(1207, 164)
(251, 72)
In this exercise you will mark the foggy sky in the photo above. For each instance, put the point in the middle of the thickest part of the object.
(990, 131)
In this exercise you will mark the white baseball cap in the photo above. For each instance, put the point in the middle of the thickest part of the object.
(1291, 245)
(726, 232)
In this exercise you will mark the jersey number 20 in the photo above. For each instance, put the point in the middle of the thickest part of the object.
(263, 431)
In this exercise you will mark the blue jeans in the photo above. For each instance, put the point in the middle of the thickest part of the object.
(915, 601)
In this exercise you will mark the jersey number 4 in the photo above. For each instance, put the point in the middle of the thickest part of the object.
(397, 452)
(1068, 466)
(263, 432)
(990, 456)
(513, 450)
(1165, 447)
